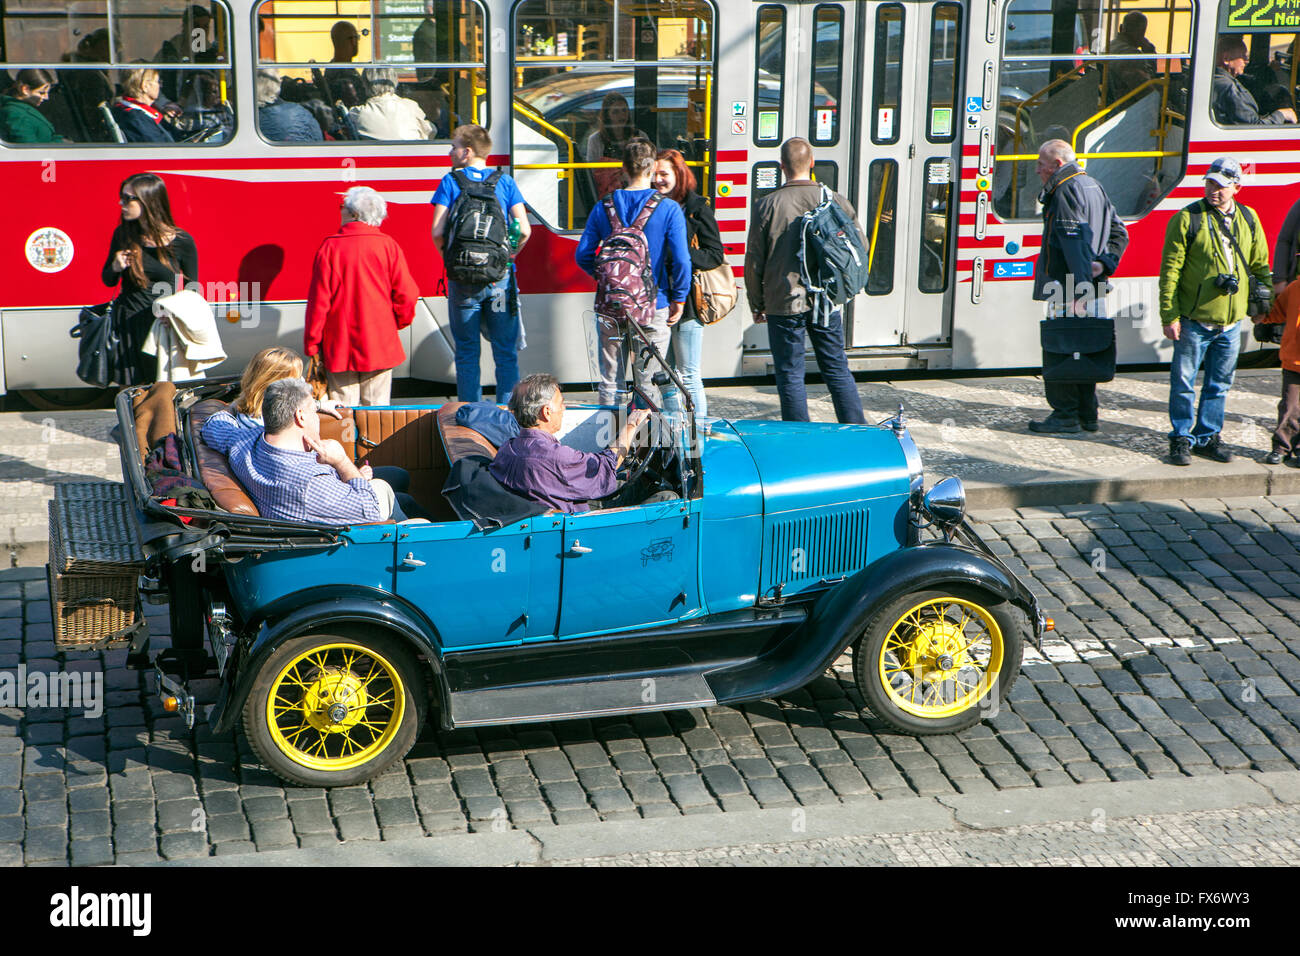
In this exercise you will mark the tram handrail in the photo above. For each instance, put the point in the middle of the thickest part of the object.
(1162, 81)
(537, 118)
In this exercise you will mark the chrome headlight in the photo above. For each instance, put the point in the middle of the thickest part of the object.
(945, 503)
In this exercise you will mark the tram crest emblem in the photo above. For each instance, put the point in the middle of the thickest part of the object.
(49, 250)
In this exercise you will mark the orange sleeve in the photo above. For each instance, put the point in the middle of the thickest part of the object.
(1286, 307)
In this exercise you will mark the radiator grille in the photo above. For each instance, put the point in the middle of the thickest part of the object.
(806, 549)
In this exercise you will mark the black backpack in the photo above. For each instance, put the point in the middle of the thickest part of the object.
(477, 250)
(1196, 212)
(832, 260)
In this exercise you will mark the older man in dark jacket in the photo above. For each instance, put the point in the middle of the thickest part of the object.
(1230, 101)
(1083, 239)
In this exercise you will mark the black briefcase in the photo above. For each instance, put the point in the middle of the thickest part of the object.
(1078, 351)
(99, 349)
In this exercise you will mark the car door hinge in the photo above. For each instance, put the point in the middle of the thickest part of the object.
(911, 151)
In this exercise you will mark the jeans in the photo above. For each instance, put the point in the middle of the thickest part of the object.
(785, 334)
(686, 349)
(613, 346)
(1217, 350)
(472, 310)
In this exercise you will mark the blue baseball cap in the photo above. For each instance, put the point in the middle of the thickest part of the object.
(1225, 171)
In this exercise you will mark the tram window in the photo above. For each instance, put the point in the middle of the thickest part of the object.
(824, 171)
(945, 63)
(1110, 77)
(569, 112)
(936, 211)
(769, 77)
(1255, 78)
(563, 32)
(119, 72)
(887, 86)
(828, 49)
(882, 200)
(766, 177)
(378, 72)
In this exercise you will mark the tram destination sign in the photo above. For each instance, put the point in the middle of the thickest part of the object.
(1261, 14)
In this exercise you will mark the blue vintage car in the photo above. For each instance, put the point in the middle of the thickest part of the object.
(770, 549)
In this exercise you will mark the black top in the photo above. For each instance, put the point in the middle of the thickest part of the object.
(133, 298)
(703, 227)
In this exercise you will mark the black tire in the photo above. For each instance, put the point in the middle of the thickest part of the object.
(307, 742)
(929, 634)
(65, 399)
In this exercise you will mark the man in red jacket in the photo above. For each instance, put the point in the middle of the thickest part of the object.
(361, 295)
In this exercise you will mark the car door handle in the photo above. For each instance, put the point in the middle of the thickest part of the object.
(577, 548)
(411, 561)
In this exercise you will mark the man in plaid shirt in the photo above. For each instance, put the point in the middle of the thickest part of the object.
(292, 474)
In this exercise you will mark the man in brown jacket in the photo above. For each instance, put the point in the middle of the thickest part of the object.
(777, 297)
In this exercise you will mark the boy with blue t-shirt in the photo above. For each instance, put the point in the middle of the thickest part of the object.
(473, 307)
(670, 260)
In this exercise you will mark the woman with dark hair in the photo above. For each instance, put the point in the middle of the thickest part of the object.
(674, 179)
(20, 120)
(614, 130)
(152, 258)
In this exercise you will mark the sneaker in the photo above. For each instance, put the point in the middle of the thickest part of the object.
(1180, 451)
(1052, 425)
(1089, 426)
(1274, 458)
(1214, 450)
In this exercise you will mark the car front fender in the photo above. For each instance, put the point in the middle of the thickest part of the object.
(325, 609)
(840, 615)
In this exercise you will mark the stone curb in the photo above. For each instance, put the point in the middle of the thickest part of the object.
(909, 815)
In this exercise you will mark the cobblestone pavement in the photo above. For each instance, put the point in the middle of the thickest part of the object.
(1255, 836)
(1177, 653)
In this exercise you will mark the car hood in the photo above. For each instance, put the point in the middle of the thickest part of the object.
(805, 465)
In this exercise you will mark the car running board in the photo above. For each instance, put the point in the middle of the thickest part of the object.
(556, 700)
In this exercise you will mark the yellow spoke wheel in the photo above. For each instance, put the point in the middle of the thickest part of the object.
(932, 661)
(940, 657)
(335, 710)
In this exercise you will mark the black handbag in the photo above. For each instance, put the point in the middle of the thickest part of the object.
(1078, 351)
(99, 347)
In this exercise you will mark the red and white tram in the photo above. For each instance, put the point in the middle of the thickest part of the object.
(926, 115)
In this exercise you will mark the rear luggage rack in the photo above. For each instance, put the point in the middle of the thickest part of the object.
(95, 564)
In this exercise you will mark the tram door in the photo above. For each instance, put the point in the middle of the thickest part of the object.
(806, 85)
(908, 165)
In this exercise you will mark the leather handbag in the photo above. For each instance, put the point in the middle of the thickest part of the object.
(315, 377)
(713, 290)
(100, 361)
(1078, 351)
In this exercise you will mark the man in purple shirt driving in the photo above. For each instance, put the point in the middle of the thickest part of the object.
(536, 466)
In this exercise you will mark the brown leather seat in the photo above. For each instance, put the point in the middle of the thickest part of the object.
(458, 440)
(214, 469)
(155, 415)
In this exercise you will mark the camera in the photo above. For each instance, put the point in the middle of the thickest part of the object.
(1261, 298)
(1226, 282)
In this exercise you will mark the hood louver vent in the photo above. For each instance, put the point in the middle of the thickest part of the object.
(803, 551)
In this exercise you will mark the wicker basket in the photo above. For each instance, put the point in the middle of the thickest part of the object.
(95, 561)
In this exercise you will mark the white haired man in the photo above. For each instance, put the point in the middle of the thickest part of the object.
(1083, 239)
(293, 474)
(362, 294)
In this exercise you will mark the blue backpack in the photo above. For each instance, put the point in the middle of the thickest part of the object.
(832, 258)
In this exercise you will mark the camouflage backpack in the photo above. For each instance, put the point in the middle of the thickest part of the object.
(625, 282)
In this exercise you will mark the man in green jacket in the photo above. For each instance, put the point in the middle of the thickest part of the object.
(1213, 250)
